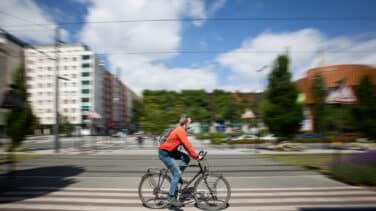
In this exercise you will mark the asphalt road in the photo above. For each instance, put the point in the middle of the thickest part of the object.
(107, 179)
(111, 171)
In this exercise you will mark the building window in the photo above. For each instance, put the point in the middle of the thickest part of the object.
(74, 59)
(85, 82)
(85, 57)
(85, 74)
(85, 100)
(65, 67)
(85, 65)
(85, 91)
(74, 75)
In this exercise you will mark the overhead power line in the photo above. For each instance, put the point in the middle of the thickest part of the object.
(229, 19)
(217, 52)
(226, 51)
(27, 21)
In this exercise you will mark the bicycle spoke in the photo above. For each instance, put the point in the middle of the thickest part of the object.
(153, 190)
(212, 192)
(151, 182)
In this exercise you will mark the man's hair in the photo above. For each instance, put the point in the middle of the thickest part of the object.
(183, 119)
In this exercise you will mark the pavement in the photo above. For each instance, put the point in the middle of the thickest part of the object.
(105, 176)
(103, 199)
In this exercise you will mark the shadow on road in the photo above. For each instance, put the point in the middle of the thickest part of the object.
(339, 209)
(36, 182)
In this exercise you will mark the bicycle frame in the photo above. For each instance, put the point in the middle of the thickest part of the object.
(202, 172)
(183, 190)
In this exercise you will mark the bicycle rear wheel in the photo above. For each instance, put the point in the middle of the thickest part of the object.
(153, 190)
(212, 192)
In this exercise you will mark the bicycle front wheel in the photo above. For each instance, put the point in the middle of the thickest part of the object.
(153, 190)
(212, 192)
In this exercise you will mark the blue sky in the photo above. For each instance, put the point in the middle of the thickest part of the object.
(228, 67)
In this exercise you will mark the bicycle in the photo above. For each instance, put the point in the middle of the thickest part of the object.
(210, 191)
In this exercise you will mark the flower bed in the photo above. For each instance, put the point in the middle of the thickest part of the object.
(358, 169)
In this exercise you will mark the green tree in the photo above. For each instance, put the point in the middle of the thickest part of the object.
(20, 122)
(281, 113)
(65, 126)
(318, 107)
(221, 103)
(137, 110)
(365, 110)
(196, 104)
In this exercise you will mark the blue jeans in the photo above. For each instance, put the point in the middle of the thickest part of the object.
(168, 158)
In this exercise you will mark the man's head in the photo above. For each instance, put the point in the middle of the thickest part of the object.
(185, 120)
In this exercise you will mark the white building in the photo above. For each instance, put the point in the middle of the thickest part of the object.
(79, 94)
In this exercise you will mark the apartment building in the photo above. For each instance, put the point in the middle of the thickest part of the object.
(80, 89)
(118, 101)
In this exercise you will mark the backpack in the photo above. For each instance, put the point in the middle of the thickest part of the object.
(165, 134)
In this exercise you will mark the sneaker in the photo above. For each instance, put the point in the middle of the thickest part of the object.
(171, 201)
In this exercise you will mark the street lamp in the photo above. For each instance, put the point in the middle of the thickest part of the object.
(260, 70)
(57, 77)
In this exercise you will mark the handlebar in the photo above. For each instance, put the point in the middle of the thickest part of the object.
(203, 154)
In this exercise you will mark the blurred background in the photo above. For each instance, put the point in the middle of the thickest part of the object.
(285, 89)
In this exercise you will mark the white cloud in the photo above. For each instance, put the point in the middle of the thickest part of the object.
(303, 45)
(23, 12)
(143, 75)
(216, 5)
(145, 71)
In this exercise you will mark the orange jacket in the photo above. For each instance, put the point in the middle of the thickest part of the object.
(178, 137)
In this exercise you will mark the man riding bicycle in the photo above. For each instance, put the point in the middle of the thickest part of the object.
(168, 153)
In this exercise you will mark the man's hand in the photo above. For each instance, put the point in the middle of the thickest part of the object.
(200, 157)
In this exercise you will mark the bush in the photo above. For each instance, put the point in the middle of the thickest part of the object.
(319, 140)
(214, 135)
(240, 141)
(358, 169)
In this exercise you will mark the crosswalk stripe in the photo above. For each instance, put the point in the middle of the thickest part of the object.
(84, 199)
(335, 188)
(72, 199)
(233, 194)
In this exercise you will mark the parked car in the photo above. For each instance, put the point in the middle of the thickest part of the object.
(346, 136)
(308, 135)
(117, 134)
(269, 137)
(242, 137)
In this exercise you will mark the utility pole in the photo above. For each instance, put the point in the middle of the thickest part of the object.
(322, 57)
(57, 118)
